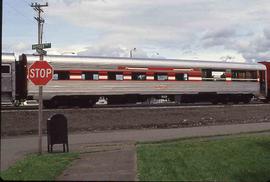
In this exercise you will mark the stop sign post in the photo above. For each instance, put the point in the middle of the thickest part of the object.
(40, 73)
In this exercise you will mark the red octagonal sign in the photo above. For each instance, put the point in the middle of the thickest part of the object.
(40, 72)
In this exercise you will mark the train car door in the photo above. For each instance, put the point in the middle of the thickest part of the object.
(21, 78)
(262, 82)
(267, 78)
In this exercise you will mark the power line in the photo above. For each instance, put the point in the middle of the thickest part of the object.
(27, 2)
(38, 7)
(17, 11)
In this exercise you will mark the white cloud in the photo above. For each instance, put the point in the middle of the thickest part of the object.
(254, 47)
(203, 29)
(18, 47)
(118, 51)
(200, 26)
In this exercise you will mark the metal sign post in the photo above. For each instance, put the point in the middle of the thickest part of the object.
(37, 7)
(40, 116)
(40, 73)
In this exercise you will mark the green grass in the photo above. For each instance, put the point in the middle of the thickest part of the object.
(39, 167)
(239, 159)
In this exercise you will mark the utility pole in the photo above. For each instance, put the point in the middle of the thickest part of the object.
(38, 8)
(130, 52)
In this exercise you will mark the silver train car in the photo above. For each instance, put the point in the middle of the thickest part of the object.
(82, 81)
(8, 78)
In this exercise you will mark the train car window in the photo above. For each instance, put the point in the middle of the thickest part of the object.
(161, 76)
(138, 76)
(119, 77)
(55, 76)
(216, 75)
(240, 74)
(251, 75)
(5, 68)
(95, 76)
(219, 75)
(115, 76)
(181, 76)
(207, 73)
(90, 75)
(61, 75)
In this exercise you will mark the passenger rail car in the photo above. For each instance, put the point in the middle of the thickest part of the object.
(8, 81)
(81, 80)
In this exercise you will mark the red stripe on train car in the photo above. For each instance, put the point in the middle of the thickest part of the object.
(162, 69)
(122, 67)
(103, 73)
(228, 75)
(75, 71)
(171, 74)
(150, 73)
(127, 72)
(195, 73)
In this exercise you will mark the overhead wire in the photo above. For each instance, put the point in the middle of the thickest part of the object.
(19, 12)
(27, 2)
(22, 14)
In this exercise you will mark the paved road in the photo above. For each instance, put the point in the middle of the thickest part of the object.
(14, 148)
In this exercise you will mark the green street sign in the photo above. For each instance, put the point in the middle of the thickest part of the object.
(37, 46)
(46, 45)
(40, 51)
(41, 46)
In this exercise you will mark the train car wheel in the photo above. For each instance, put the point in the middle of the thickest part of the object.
(55, 103)
(215, 102)
(45, 104)
(224, 102)
(236, 102)
(87, 103)
(17, 103)
(48, 104)
(178, 99)
(246, 101)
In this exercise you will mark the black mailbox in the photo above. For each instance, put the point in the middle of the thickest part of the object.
(57, 131)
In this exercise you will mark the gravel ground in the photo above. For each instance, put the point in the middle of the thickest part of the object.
(100, 119)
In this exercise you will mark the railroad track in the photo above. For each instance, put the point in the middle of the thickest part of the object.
(17, 122)
(160, 105)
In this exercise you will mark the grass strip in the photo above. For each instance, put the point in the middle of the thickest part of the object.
(39, 167)
(240, 158)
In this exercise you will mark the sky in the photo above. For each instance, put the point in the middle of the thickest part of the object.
(212, 30)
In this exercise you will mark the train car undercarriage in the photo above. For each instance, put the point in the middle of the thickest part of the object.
(89, 101)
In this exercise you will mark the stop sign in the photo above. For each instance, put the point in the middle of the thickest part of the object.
(40, 72)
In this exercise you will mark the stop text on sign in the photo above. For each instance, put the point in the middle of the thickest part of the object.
(40, 72)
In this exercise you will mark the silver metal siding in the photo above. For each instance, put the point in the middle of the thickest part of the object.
(67, 87)
(86, 63)
(77, 87)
